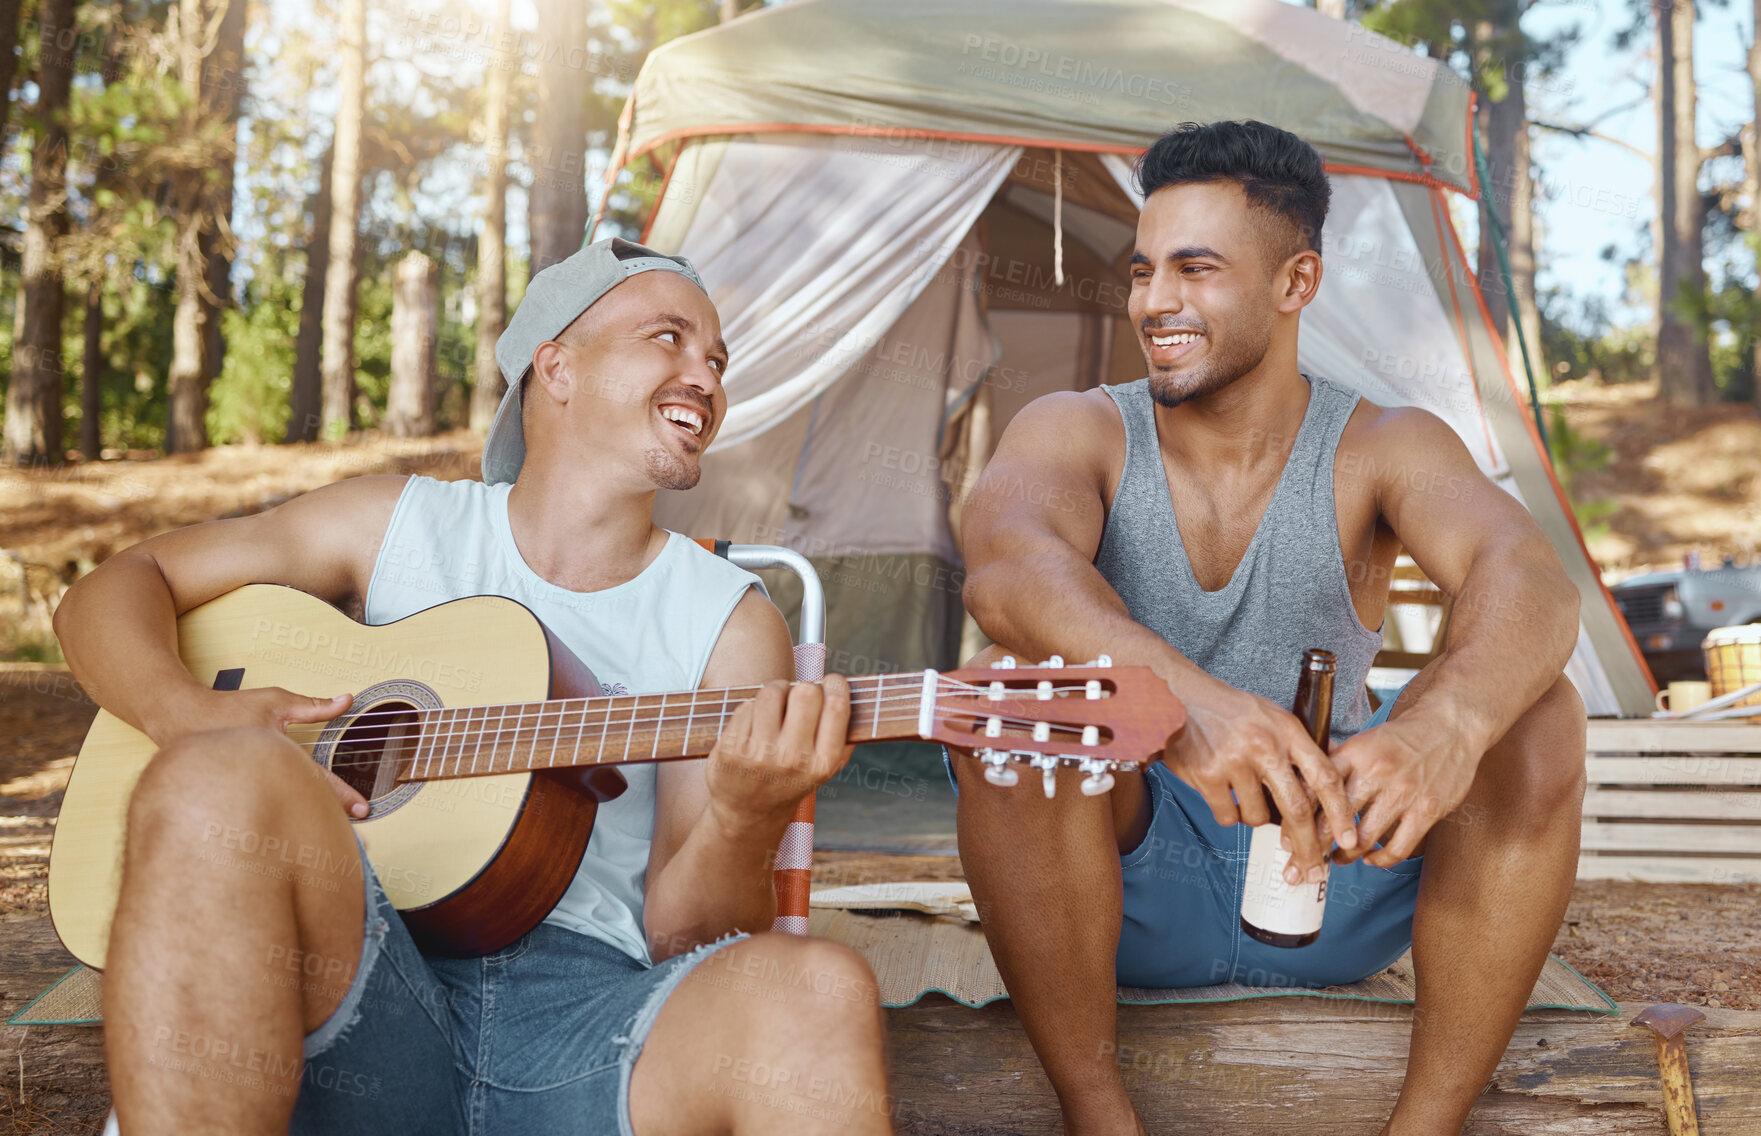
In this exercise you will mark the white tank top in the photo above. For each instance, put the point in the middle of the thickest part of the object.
(652, 634)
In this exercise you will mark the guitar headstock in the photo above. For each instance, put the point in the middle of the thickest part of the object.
(1096, 717)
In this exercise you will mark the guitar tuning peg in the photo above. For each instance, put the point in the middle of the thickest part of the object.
(1006, 663)
(997, 769)
(1054, 662)
(1098, 780)
(1104, 661)
(1048, 767)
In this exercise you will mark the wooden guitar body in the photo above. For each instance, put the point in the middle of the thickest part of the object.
(472, 863)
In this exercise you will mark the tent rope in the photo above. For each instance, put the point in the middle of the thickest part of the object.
(1490, 200)
(1058, 217)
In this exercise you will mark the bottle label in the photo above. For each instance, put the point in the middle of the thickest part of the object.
(1271, 904)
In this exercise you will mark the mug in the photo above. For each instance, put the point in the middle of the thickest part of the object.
(1680, 697)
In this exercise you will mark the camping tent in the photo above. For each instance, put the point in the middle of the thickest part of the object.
(914, 218)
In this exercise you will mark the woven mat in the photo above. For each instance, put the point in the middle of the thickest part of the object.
(925, 937)
(76, 999)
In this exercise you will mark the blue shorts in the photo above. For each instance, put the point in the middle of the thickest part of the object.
(1183, 886)
(539, 1037)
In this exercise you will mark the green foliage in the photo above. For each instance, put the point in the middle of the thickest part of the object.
(1581, 342)
(1574, 454)
(657, 21)
(248, 401)
(373, 347)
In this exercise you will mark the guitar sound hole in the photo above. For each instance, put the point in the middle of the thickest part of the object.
(374, 746)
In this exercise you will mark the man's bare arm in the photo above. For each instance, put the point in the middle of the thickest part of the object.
(718, 821)
(118, 625)
(1030, 532)
(1512, 628)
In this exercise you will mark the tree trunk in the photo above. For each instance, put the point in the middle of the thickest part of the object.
(33, 400)
(303, 397)
(1673, 338)
(91, 391)
(9, 12)
(1690, 205)
(1506, 130)
(492, 302)
(1500, 170)
(211, 67)
(1684, 364)
(729, 10)
(1334, 8)
(338, 383)
(557, 205)
(1522, 243)
(186, 384)
(225, 87)
(1752, 170)
(409, 403)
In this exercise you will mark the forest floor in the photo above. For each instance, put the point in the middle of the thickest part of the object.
(1672, 480)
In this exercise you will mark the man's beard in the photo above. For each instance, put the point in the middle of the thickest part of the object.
(1226, 363)
(669, 471)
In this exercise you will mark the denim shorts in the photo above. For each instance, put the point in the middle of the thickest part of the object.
(1183, 886)
(538, 1038)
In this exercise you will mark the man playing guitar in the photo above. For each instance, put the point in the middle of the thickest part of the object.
(248, 1000)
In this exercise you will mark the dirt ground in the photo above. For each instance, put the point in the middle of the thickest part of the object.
(1683, 480)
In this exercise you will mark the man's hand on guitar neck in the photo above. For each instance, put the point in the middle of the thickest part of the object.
(776, 749)
(270, 707)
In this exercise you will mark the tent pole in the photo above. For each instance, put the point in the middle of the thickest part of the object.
(1516, 319)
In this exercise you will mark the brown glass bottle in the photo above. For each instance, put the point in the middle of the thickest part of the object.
(1314, 709)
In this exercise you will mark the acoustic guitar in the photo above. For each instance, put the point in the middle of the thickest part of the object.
(484, 747)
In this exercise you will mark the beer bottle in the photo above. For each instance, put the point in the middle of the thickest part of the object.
(1272, 911)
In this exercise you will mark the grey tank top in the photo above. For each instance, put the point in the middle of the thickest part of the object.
(1288, 593)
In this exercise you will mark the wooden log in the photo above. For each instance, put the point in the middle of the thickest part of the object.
(1323, 1067)
(63, 1066)
(410, 400)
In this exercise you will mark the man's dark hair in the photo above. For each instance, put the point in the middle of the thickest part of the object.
(1280, 173)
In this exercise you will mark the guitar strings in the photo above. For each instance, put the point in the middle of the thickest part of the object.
(746, 693)
(662, 723)
(912, 696)
(955, 713)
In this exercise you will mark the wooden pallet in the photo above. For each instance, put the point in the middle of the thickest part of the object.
(1672, 801)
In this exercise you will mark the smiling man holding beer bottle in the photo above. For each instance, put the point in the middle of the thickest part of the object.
(1229, 513)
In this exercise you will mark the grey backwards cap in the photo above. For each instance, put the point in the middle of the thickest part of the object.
(555, 298)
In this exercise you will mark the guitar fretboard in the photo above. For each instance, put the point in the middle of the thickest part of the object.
(477, 741)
